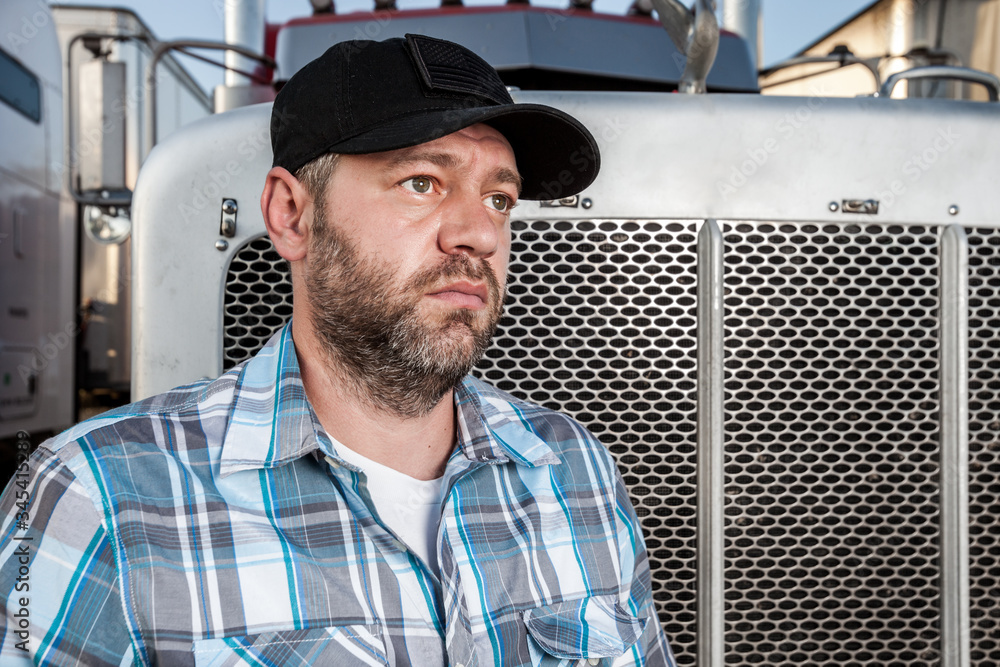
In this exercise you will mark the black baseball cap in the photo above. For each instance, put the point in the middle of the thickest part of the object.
(365, 97)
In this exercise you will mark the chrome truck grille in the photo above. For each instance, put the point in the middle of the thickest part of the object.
(831, 416)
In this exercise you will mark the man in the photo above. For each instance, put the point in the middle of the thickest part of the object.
(350, 496)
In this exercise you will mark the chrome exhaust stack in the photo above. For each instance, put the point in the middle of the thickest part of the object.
(743, 18)
(695, 35)
(244, 27)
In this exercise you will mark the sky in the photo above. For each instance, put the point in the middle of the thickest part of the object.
(789, 25)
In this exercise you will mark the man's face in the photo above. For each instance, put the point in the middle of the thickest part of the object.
(406, 264)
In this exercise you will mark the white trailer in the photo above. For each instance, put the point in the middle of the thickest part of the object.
(72, 102)
(38, 326)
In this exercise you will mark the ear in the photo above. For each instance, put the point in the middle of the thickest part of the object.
(284, 204)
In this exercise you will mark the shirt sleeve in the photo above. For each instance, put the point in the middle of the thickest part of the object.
(58, 581)
(652, 648)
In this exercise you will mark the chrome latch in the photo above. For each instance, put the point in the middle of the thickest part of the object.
(228, 225)
(573, 201)
(865, 206)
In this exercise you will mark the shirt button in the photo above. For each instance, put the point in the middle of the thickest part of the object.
(593, 661)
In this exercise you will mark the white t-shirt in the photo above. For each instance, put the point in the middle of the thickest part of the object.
(410, 508)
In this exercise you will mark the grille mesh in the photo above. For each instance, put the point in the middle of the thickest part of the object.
(984, 443)
(257, 300)
(831, 443)
(831, 416)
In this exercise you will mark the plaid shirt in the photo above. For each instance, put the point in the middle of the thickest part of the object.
(205, 526)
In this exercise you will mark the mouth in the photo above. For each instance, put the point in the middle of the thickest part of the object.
(462, 294)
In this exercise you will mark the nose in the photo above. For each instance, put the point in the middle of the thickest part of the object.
(467, 227)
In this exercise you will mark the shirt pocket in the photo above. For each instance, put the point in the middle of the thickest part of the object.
(344, 646)
(588, 631)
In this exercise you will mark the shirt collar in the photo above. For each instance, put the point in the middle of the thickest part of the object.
(271, 421)
(494, 427)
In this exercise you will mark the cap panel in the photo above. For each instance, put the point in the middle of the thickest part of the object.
(448, 66)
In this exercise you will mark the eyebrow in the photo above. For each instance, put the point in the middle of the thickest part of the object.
(449, 161)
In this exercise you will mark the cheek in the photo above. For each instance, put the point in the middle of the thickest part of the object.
(500, 262)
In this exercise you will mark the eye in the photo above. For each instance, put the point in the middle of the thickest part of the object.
(419, 184)
(499, 202)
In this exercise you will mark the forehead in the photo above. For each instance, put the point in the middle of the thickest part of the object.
(470, 143)
(479, 152)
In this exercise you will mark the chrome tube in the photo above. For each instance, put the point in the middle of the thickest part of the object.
(743, 18)
(244, 26)
(711, 453)
(954, 486)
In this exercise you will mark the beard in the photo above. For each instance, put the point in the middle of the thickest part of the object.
(374, 334)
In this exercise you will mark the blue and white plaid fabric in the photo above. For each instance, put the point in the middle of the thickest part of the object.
(205, 527)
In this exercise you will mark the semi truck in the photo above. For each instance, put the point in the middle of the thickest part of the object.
(780, 314)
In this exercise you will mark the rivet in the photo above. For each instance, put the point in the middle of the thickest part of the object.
(834, 207)
(221, 244)
(587, 203)
(953, 209)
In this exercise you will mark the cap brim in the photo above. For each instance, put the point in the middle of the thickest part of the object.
(556, 155)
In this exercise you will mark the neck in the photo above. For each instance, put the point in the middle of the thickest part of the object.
(418, 446)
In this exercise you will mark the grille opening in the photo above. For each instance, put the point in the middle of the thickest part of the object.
(257, 300)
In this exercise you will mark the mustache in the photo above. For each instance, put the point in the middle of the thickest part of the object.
(455, 267)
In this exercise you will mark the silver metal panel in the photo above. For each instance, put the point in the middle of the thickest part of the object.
(776, 158)
(232, 152)
(600, 324)
(226, 98)
(519, 37)
(29, 38)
